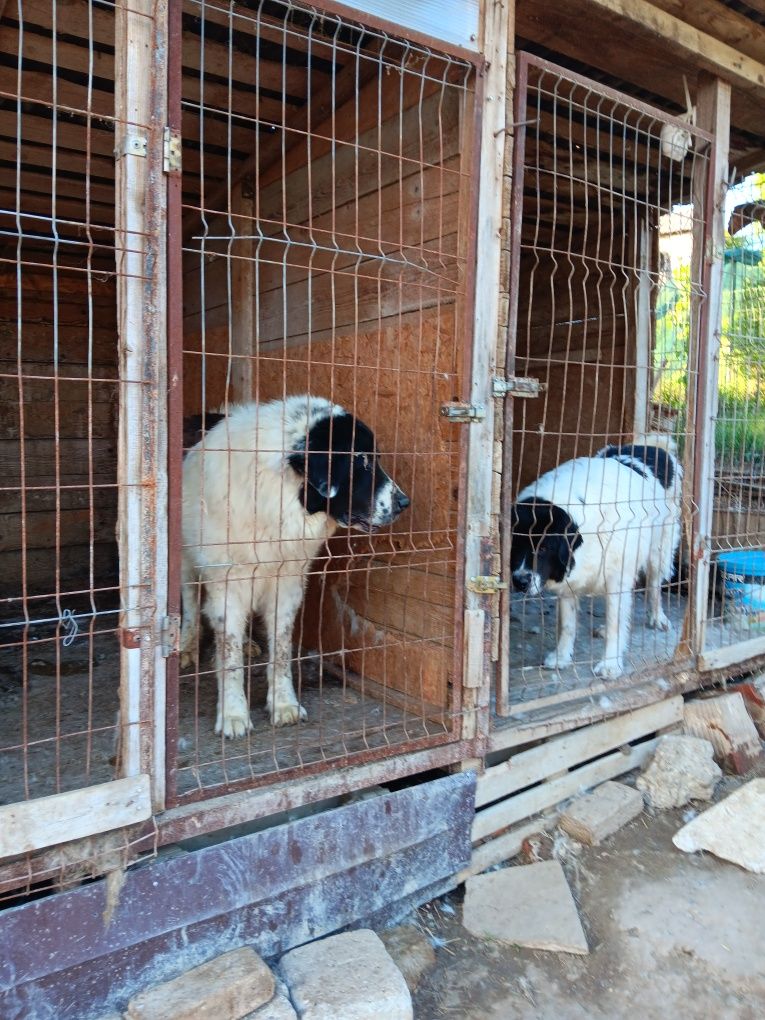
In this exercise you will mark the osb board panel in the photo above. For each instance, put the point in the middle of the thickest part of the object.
(583, 408)
(396, 623)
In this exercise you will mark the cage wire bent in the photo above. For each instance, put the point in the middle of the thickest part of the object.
(324, 227)
(609, 215)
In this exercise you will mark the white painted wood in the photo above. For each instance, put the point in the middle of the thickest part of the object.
(451, 21)
(719, 658)
(563, 752)
(35, 824)
(140, 225)
(524, 805)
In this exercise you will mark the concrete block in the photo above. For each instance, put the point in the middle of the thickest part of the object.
(681, 769)
(599, 814)
(279, 1008)
(734, 829)
(349, 976)
(530, 905)
(226, 988)
(725, 722)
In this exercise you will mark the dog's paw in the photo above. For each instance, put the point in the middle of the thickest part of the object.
(235, 720)
(288, 713)
(660, 622)
(555, 661)
(608, 669)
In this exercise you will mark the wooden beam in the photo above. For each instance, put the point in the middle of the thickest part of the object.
(62, 817)
(712, 114)
(722, 22)
(686, 41)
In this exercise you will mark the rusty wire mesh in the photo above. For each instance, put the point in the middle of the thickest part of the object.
(325, 231)
(59, 380)
(610, 211)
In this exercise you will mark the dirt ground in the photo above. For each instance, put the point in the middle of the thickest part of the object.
(670, 935)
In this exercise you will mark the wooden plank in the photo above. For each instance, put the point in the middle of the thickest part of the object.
(66, 816)
(713, 114)
(732, 655)
(689, 42)
(722, 22)
(563, 752)
(502, 848)
(523, 805)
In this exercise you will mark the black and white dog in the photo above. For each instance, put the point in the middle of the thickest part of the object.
(590, 527)
(262, 491)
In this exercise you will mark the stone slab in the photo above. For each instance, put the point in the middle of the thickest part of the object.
(225, 988)
(599, 814)
(350, 976)
(725, 722)
(530, 905)
(681, 769)
(734, 829)
(279, 1008)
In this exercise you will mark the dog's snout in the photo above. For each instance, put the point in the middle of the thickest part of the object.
(522, 580)
(402, 501)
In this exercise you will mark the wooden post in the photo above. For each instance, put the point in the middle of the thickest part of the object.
(712, 114)
(140, 249)
(498, 23)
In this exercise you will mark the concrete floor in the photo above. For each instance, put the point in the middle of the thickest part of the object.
(670, 935)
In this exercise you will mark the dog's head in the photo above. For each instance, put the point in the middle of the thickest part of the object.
(544, 538)
(342, 474)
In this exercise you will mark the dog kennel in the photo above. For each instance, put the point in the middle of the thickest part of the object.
(203, 206)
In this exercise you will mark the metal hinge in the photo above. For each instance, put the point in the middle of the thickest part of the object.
(519, 386)
(170, 635)
(486, 585)
(459, 412)
(132, 145)
(172, 151)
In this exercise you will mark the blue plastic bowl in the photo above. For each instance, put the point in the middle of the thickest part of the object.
(743, 573)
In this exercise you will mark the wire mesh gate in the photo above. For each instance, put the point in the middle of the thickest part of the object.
(609, 194)
(325, 227)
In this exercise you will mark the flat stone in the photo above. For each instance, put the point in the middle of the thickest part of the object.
(599, 814)
(725, 722)
(279, 1008)
(349, 976)
(681, 769)
(734, 829)
(529, 905)
(226, 988)
(410, 950)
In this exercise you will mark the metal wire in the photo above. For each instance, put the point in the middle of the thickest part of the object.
(325, 253)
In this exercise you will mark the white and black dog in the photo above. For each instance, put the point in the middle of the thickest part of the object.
(590, 527)
(262, 491)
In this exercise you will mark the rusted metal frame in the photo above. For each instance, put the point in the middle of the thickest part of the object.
(507, 496)
(621, 98)
(220, 812)
(385, 27)
(174, 393)
(140, 99)
(298, 772)
(714, 102)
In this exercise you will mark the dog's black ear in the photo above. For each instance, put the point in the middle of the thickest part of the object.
(324, 475)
